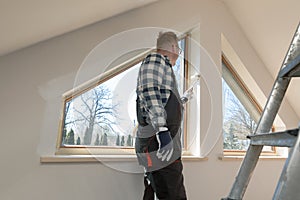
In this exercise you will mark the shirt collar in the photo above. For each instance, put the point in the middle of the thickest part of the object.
(166, 58)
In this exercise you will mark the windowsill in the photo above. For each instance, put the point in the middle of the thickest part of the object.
(103, 158)
(241, 157)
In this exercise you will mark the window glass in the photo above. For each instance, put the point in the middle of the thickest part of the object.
(240, 111)
(103, 115)
(237, 122)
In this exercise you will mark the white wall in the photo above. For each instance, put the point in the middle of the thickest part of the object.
(33, 80)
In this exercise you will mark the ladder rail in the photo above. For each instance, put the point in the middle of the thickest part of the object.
(288, 184)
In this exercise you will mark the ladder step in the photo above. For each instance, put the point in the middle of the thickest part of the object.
(280, 139)
(292, 69)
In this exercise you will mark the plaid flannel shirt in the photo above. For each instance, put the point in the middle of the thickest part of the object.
(155, 82)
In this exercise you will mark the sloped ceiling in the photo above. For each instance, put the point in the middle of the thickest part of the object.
(269, 26)
(26, 22)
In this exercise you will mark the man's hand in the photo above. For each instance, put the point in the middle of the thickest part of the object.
(188, 95)
(165, 148)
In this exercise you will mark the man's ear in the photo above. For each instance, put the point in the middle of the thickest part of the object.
(173, 48)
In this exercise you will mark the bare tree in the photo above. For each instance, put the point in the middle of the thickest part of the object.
(91, 108)
(241, 119)
(238, 123)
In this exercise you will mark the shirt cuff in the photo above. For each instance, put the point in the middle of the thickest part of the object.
(162, 128)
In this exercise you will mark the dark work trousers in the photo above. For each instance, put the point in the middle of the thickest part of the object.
(167, 183)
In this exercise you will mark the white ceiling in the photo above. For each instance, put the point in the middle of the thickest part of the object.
(268, 24)
(26, 22)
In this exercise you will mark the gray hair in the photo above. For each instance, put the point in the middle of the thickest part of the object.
(165, 40)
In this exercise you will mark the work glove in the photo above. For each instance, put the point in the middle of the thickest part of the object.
(165, 144)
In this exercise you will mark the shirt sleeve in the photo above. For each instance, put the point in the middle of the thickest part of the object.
(154, 92)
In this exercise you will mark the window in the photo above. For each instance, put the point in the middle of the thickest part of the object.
(101, 117)
(241, 112)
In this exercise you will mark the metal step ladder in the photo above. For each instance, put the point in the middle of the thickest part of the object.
(288, 187)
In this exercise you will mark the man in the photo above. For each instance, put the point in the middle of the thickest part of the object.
(159, 113)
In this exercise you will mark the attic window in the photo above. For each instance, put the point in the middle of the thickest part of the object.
(100, 118)
(241, 112)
